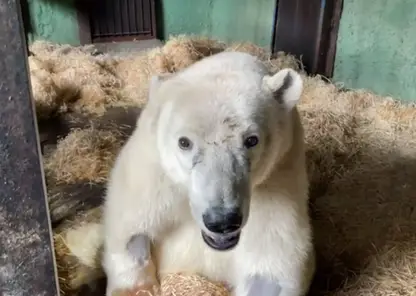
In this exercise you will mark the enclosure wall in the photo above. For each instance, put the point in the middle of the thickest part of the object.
(231, 20)
(376, 47)
(53, 20)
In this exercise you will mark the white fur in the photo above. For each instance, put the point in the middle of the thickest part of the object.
(158, 189)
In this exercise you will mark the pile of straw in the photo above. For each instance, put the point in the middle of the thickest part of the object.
(66, 78)
(361, 152)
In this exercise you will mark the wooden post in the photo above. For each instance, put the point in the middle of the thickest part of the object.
(27, 265)
(308, 29)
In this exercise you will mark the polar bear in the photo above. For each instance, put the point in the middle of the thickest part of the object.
(213, 182)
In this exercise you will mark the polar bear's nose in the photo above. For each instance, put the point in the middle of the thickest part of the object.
(223, 223)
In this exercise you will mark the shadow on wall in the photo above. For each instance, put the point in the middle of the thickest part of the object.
(160, 20)
(27, 22)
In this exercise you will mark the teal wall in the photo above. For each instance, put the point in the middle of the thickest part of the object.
(376, 42)
(54, 21)
(228, 20)
(377, 47)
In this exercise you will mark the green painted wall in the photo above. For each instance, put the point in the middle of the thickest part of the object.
(228, 20)
(54, 21)
(376, 47)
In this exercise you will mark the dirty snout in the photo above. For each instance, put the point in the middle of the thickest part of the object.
(220, 200)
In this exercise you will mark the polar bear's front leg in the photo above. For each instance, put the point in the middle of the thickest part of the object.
(280, 262)
(133, 218)
(260, 276)
(265, 286)
(258, 286)
(129, 267)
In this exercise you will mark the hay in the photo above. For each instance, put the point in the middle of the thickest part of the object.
(77, 244)
(191, 285)
(178, 53)
(392, 272)
(362, 165)
(273, 62)
(43, 88)
(78, 155)
(85, 155)
(361, 151)
(76, 79)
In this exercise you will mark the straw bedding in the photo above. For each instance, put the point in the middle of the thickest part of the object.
(361, 152)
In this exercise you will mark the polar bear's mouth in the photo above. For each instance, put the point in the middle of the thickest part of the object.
(221, 242)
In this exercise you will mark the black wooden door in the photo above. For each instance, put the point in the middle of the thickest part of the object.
(117, 20)
(308, 29)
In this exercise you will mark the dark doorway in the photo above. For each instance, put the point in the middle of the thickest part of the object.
(116, 20)
(308, 29)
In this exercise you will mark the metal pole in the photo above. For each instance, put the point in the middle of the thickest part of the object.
(27, 265)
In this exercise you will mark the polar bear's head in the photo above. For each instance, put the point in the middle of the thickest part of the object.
(219, 134)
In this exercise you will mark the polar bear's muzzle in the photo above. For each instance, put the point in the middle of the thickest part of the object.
(219, 194)
(221, 242)
(224, 228)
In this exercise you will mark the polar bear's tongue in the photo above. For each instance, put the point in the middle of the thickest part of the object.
(221, 242)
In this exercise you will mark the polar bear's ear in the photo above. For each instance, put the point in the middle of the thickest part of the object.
(286, 86)
(156, 81)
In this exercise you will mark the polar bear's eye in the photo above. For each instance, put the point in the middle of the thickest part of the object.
(251, 142)
(184, 143)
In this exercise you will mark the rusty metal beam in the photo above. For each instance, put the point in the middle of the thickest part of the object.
(27, 265)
